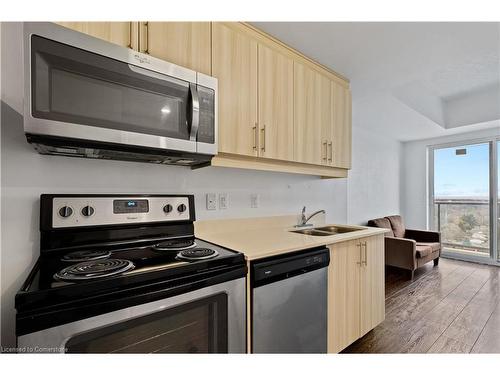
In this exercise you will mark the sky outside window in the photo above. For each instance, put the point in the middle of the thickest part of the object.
(462, 176)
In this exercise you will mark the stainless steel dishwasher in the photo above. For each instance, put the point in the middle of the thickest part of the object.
(289, 295)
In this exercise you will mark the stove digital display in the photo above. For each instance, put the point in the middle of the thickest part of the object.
(126, 206)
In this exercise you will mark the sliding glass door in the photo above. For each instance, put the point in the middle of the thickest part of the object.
(464, 199)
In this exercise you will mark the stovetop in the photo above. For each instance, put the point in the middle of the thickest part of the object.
(150, 263)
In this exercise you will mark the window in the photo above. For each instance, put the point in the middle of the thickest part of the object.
(463, 180)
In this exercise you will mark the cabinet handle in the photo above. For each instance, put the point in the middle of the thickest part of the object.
(360, 262)
(325, 151)
(366, 254)
(263, 130)
(330, 144)
(146, 28)
(255, 134)
(129, 35)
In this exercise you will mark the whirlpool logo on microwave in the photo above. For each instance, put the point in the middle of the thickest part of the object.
(142, 59)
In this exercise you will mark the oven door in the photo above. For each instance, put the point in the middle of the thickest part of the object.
(207, 320)
(85, 88)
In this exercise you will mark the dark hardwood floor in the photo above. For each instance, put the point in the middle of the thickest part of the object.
(451, 308)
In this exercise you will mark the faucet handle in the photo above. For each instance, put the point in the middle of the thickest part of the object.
(303, 210)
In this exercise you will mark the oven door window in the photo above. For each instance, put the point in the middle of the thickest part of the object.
(196, 327)
(76, 86)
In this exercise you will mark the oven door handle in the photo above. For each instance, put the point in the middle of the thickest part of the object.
(195, 114)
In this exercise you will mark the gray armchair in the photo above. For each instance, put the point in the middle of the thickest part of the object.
(408, 248)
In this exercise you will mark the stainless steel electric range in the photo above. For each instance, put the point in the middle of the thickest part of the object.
(125, 274)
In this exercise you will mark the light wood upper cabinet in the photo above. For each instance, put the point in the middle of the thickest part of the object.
(341, 129)
(234, 59)
(121, 33)
(275, 93)
(343, 295)
(187, 44)
(372, 283)
(311, 113)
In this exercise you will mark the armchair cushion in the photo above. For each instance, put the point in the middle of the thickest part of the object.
(398, 226)
(382, 222)
(426, 249)
(435, 246)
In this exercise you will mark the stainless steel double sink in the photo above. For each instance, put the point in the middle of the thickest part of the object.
(326, 230)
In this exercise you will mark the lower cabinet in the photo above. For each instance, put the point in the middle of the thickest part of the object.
(356, 290)
(343, 295)
(372, 284)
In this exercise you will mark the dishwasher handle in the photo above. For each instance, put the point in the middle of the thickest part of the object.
(290, 265)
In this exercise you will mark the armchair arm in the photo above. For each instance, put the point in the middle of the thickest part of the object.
(401, 253)
(423, 235)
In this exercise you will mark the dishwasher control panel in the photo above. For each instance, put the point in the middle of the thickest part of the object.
(289, 265)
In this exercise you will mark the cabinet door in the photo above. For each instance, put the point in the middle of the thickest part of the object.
(311, 113)
(234, 59)
(121, 33)
(183, 43)
(275, 72)
(341, 138)
(343, 295)
(372, 283)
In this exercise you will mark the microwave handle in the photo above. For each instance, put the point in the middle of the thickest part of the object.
(195, 116)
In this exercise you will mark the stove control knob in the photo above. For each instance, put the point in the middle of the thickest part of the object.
(87, 211)
(181, 207)
(65, 211)
(167, 208)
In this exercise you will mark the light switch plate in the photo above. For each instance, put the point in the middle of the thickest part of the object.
(211, 201)
(223, 203)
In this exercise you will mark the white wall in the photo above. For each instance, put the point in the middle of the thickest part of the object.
(374, 181)
(26, 174)
(414, 175)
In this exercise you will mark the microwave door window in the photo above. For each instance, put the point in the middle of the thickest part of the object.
(75, 86)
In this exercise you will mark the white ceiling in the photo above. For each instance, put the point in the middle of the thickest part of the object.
(409, 80)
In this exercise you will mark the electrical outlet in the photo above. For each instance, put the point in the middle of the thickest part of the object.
(211, 201)
(254, 200)
(223, 203)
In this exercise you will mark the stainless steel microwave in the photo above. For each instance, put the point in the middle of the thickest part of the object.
(90, 98)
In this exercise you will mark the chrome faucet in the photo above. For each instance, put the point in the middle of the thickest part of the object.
(304, 219)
